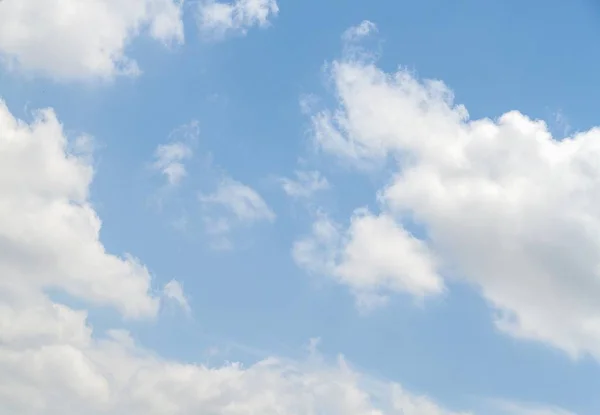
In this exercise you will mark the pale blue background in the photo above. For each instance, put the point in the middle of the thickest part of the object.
(539, 57)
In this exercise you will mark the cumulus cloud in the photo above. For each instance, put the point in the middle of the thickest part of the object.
(70, 39)
(49, 231)
(52, 363)
(51, 360)
(218, 19)
(67, 371)
(373, 256)
(305, 184)
(505, 206)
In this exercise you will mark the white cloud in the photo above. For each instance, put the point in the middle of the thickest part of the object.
(305, 184)
(505, 206)
(174, 291)
(64, 370)
(71, 39)
(49, 232)
(365, 28)
(52, 362)
(231, 205)
(219, 18)
(242, 201)
(169, 158)
(373, 256)
(353, 41)
(319, 251)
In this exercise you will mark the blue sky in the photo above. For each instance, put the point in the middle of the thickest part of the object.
(470, 280)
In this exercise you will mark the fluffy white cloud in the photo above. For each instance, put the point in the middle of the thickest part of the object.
(69, 372)
(71, 39)
(219, 18)
(506, 207)
(375, 255)
(49, 232)
(305, 184)
(51, 361)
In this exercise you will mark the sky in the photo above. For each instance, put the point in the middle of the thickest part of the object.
(283, 207)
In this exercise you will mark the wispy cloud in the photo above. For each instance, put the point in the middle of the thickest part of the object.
(305, 184)
(218, 19)
(231, 205)
(169, 158)
(173, 291)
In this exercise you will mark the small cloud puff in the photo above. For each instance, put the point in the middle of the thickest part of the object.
(305, 184)
(173, 291)
(219, 19)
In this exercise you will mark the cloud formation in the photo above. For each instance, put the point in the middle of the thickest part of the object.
(373, 256)
(173, 291)
(218, 19)
(305, 184)
(231, 205)
(49, 231)
(505, 206)
(52, 361)
(243, 202)
(112, 375)
(356, 33)
(70, 39)
(170, 158)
